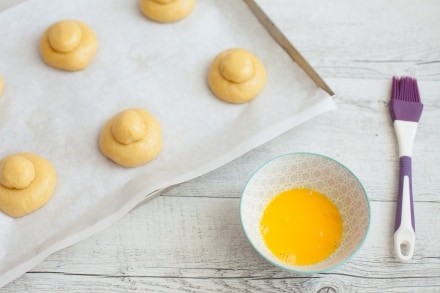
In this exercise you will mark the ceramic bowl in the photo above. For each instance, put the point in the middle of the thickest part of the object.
(317, 172)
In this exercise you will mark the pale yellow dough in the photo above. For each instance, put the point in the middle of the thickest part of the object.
(166, 10)
(69, 45)
(236, 76)
(131, 138)
(1, 86)
(27, 182)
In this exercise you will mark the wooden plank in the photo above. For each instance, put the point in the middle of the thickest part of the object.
(190, 243)
(374, 40)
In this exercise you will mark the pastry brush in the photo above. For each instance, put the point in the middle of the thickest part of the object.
(406, 109)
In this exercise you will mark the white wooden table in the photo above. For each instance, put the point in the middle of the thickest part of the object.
(190, 238)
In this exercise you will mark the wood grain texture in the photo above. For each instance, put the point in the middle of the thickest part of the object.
(354, 39)
(190, 238)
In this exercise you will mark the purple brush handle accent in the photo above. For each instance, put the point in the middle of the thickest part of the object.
(405, 170)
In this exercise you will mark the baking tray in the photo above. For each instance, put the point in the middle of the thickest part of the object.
(300, 87)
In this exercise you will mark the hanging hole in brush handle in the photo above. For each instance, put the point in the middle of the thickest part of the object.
(404, 242)
(404, 230)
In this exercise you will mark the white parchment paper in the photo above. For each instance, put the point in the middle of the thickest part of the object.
(159, 67)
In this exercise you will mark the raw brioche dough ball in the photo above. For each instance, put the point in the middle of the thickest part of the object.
(166, 10)
(27, 182)
(1, 86)
(69, 45)
(131, 138)
(236, 76)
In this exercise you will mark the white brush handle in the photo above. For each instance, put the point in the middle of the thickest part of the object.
(404, 230)
(405, 236)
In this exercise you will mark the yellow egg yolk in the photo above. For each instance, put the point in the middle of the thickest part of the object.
(301, 226)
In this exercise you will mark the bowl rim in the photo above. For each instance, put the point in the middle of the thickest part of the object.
(309, 272)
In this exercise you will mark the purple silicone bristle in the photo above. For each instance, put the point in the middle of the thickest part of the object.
(405, 89)
(405, 99)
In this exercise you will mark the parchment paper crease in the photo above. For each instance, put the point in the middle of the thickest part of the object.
(159, 67)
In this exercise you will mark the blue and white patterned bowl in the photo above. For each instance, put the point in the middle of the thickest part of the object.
(316, 172)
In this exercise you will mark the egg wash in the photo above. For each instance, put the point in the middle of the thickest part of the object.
(301, 226)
